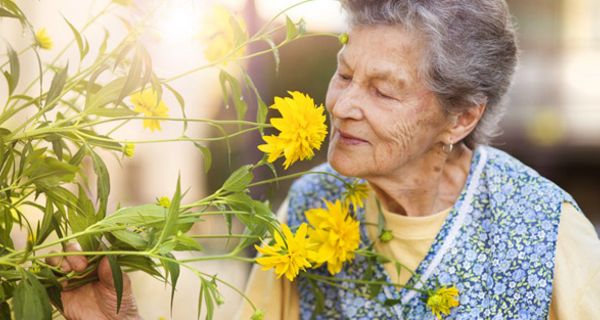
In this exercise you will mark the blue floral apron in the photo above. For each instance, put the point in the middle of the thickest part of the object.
(497, 247)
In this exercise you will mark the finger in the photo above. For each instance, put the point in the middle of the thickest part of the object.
(77, 263)
(59, 262)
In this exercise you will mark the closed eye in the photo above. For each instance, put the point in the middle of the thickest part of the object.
(344, 77)
(383, 95)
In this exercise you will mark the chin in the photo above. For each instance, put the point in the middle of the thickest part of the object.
(346, 166)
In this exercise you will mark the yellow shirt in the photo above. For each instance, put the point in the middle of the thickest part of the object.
(576, 284)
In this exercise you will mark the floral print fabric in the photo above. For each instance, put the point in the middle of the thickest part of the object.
(497, 247)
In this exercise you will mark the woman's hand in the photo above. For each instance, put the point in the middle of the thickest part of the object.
(96, 300)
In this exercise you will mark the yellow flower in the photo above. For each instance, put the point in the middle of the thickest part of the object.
(302, 129)
(164, 202)
(129, 150)
(147, 102)
(288, 256)
(442, 300)
(43, 40)
(219, 34)
(335, 233)
(355, 194)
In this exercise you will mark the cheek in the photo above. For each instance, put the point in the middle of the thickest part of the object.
(398, 135)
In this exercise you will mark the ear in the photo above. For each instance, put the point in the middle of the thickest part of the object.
(463, 123)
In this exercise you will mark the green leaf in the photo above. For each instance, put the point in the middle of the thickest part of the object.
(108, 94)
(92, 87)
(117, 279)
(7, 14)
(149, 214)
(181, 103)
(30, 300)
(239, 33)
(234, 92)
(239, 179)
(103, 45)
(206, 156)
(147, 62)
(9, 80)
(57, 145)
(262, 109)
(94, 139)
(47, 222)
(4, 310)
(186, 243)
(172, 215)
(80, 44)
(118, 111)
(141, 263)
(81, 217)
(56, 87)
(391, 302)
(13, 60)
(132, 81)
(47, 172)
(8, 160)
(398, 266)
(291, 30)
(319, 298)
(131, 238)
(172, 269)
(103, 182)
(86, 48)
(208, 287)
(301, 26)
(123, 54)
(78, 156)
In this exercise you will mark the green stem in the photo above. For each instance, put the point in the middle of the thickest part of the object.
(220, 236)
(299, 174)
(238, 133)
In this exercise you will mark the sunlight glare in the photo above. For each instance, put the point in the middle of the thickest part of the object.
(179, 22)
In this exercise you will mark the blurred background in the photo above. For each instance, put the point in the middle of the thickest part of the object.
(552, 122)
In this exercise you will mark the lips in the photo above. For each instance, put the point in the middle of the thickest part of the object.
(347, 138)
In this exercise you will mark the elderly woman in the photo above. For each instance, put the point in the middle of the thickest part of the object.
(415, 99)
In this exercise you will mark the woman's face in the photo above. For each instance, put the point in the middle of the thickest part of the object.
(383, 117)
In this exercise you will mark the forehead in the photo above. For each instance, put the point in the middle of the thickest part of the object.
(382, 49)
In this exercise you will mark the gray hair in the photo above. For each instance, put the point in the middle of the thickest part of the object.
(471, 50)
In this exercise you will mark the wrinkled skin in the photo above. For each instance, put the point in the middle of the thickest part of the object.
(389, 128)
(97, 300)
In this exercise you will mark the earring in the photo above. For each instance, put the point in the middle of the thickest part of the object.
(447, 148)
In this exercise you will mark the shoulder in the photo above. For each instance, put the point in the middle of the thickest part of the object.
(505, 172)
(577, 273)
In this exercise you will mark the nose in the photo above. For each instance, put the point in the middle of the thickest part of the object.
(348, 104)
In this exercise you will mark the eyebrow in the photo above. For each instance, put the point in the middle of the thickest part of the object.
(377, 73)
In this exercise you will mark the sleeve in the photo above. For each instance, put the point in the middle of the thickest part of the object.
(576, 284)
(277, 298)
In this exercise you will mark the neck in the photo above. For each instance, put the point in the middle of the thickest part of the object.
(426, 185)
